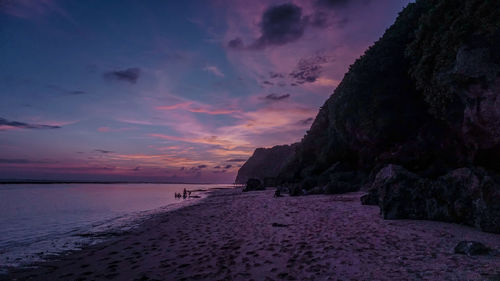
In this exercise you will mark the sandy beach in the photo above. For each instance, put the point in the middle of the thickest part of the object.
(252, 236)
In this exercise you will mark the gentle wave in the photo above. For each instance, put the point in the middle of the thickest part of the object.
(39, 221)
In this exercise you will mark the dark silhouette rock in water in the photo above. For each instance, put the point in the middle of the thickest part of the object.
(253, 185)
(471, 248)
(265, 164)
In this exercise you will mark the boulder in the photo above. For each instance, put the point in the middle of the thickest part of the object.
(254, 184)
(400, 193)
(472, 196)
(467, 195)
(471, 248)
(371, 198)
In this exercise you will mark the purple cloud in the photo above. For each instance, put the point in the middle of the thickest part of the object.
(275, 97)
(280, 25)
(6, 125)
(130, 75)
(308, 70)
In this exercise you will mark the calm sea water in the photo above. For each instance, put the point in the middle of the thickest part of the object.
(37, 220)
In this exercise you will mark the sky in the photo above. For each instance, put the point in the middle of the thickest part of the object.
(172, 91)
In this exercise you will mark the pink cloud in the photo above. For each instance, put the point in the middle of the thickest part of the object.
(183, 105)
(104, 129)
(197, 108)
(210, 140)
(214, 70)
(267, 125)
(212, 112)
(108, 129)
(8, 128)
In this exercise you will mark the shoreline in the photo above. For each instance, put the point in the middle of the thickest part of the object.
(95, 233)
(231, 235)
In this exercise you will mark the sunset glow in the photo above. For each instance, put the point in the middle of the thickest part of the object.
(129, 91)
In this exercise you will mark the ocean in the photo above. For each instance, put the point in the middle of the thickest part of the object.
(40, 220)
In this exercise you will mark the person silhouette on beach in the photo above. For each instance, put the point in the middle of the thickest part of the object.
(184, 194)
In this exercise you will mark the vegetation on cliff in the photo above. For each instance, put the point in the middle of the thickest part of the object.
(447, 26)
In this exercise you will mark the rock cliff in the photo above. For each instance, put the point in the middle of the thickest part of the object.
(265, 164)
(424, 97)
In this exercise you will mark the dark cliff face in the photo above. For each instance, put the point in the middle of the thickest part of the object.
(425, 97)
(373, 112)
(456, 65)
(265, 163)
(408, 101)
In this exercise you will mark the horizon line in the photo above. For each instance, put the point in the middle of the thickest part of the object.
(27, 181)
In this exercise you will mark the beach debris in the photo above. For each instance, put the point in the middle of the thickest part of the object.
(471, 248)
(277, 193)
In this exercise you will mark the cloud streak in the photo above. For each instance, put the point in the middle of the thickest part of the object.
(10, 125)
(66, 91)
(197, 108)
(103, 151)
(23, 161)
(214, 70)
(130, 75)
(236, 160)
(275, 97)
(210, 140)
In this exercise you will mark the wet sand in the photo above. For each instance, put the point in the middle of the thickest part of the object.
(252, 236)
